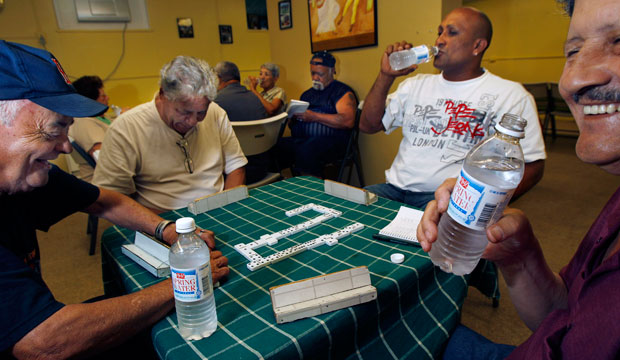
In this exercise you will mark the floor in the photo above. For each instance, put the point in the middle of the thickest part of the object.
(561, 208)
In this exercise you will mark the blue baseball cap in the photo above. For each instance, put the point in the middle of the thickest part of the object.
(327, 59)
(36, 75)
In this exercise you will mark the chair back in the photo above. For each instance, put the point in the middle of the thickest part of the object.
(81, 156)
(258, 136)
(352, 156)
(558, 105)
(540, 92)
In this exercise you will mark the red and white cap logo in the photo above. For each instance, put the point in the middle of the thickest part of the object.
(61, 71)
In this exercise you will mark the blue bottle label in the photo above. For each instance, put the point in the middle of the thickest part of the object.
(476, 205)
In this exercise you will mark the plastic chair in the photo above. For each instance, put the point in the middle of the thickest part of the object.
(352, 156)
(542, 97)
(258, 137)
(558, 107)
(81, 156)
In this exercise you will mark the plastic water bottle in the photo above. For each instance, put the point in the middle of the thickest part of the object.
(416, 55)
(491, 172)
(190, 268)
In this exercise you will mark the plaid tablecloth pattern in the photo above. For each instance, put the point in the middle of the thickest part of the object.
(416, 309)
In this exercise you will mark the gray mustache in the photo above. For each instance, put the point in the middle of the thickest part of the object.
(598, 94)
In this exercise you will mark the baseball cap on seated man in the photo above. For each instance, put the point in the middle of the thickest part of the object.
(36, 75)
(327, 59)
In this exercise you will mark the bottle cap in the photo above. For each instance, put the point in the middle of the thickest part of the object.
(185, 225)
(397, 258)
(512, 125)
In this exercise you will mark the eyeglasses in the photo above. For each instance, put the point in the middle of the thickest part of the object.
(184, 146)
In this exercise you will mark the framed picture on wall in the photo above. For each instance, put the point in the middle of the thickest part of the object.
(342, 24)
(284, 14)
(226, 34)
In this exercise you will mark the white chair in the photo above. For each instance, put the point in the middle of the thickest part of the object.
(257, 137)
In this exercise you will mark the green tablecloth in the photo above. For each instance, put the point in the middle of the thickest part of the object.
(417, 306)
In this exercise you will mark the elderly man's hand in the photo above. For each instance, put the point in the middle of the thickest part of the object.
(386, 69)
(219, 266)
(307, 116)
(208, 236)
(427, 229)
(511, 239)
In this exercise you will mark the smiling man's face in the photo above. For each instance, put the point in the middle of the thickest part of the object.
(35, 136)
(590, 83)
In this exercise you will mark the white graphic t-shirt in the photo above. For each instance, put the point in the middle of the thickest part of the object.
(442, 120)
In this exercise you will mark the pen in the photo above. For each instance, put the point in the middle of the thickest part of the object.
(393, 240)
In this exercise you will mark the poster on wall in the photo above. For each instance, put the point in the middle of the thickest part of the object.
(342, 24)
(284, 13)
(226, 34)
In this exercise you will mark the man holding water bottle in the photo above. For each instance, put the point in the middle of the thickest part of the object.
(443, 116)
(573, 313)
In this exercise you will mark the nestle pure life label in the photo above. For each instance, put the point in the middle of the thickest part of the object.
(191, 284)
(474, 204)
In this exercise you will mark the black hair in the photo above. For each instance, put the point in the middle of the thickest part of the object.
(568, 6)
(88, 86)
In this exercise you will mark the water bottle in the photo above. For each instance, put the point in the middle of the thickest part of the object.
(416, 55)
(491, 172)
(190, 268)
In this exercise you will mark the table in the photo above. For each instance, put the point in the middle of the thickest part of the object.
(417, 304)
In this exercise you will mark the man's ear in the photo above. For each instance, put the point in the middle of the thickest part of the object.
(479, 46)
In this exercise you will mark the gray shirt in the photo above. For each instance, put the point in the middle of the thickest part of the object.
(240, 103)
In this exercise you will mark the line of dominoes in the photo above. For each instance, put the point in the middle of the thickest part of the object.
(256, 261)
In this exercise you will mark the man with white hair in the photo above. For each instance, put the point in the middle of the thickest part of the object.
(178, 147)
(37, 106)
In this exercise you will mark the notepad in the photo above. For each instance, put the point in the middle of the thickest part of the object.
(296, 107)
(404, 225)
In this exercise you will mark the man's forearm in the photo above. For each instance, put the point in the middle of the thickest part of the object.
(374, 104)
(235, 178)
(534, 289)
(123, 211)
(87, 329)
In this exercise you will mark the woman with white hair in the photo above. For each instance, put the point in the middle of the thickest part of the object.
(272, 97)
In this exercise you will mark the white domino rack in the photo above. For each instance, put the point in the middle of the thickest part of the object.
(256, 261)
(322, 294)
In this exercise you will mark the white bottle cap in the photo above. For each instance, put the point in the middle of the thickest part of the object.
(513, 133)
(397, 258)
(185, 225)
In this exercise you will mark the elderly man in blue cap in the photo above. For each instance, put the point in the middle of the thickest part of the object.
(320, 134)
(37, 106)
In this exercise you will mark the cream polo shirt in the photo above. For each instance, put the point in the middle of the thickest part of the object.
(140, 155)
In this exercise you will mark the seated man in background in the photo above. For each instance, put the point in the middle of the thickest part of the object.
(320, 134)
(573, 314)
(178, 147)
(443, 116)
(37, 103)
(272, 97)
(240, 104)
(88, 132)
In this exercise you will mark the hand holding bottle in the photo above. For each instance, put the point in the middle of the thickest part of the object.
(511, 239)
(386, 69)
(252, 82)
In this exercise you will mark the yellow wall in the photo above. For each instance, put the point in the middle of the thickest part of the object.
(526, 47)
(528, 39)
